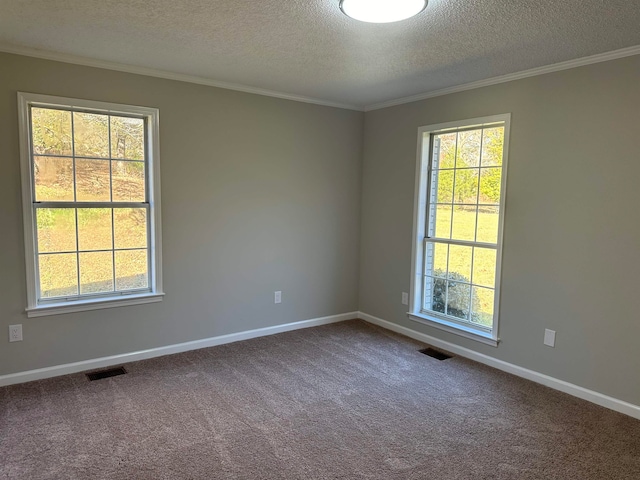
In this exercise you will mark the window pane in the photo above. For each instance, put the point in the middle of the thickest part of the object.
(127, 138)
(436, 259)
(428, 297)
(51, 131)
(56, 229)
(492, 145)
(468, 150)
(440, 255)
(466, 186)
(92, 180)
(58, 275)
(443, 221)
(464, 223)
(53, 179)
(458, 299)
(483, 306)
(490, 184)
(91, 135)
(460, 263)
(443, 185)
(94, 229)
(488, 225)
(484, 267)
(96, 272)
(447, 151)
(128, 181)
(130, 226)
(131, 269)
(436, 299)
(448, 297)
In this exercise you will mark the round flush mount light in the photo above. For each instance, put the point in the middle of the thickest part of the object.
(382, 11)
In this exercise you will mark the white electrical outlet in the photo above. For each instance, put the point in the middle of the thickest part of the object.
(550, 337)
(405, 298)
(15, 333)
(277, 298)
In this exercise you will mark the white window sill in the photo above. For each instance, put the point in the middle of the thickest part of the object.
(92, 304)
(455, 328)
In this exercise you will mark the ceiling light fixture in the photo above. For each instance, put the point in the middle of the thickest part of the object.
(382, 11)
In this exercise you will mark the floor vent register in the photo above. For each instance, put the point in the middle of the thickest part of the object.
(111, 372)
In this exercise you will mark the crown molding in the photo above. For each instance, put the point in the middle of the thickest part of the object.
(150, 72)
(555, 67)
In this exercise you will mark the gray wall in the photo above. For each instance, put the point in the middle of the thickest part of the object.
(258, 194)
(261, 194)
(571, 258)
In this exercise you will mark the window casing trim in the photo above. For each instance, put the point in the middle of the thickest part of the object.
(421, 203)
(59, 308)
(151, 117)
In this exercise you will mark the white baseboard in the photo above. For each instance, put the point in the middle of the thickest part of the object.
(566, 387)
(92, 364)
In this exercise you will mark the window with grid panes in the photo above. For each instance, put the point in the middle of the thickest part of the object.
(91, 184)
(460, 234)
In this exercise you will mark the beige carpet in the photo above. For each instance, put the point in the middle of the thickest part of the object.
(344, 401)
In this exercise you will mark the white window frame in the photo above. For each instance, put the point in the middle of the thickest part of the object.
(421, 205)
(151, 117)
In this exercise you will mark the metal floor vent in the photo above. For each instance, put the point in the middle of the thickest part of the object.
(435, 353)
(111, 372)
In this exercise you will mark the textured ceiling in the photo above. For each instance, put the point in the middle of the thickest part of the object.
(309, 48)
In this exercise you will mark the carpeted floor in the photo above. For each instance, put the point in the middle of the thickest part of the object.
(343, 401)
